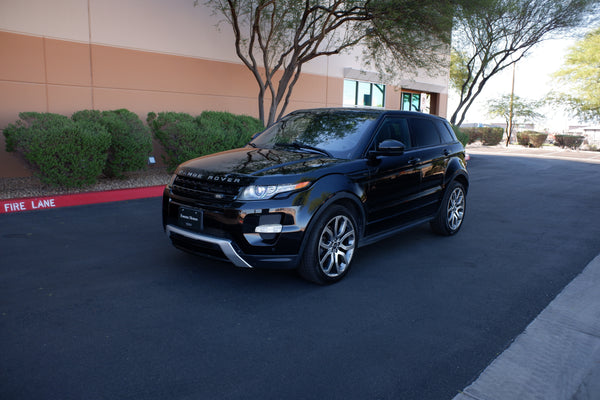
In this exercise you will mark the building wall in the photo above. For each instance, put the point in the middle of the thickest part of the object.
(143, 55)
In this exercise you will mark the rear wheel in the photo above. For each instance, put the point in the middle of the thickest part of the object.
(330, 247)
(451, 214)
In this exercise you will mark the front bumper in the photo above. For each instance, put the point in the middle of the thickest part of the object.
(228, 231)
(226, 246)
(226, 250)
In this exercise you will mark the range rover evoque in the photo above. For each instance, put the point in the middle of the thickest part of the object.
(311, 189)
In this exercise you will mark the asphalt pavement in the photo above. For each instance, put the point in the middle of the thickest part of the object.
(96, 304)
(557, 357)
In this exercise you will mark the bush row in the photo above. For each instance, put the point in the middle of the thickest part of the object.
(531, 138)
(570, 141)
(489, 136)
(76, 151)
(184, 137)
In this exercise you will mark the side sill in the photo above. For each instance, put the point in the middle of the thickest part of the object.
(376, 237)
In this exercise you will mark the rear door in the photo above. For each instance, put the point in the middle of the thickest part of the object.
(433, 158)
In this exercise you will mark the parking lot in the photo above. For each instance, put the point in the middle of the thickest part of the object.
(95, 303)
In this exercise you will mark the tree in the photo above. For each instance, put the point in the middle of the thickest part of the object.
(581, 74)
(518, 109)
(275, 38)
(499, 33)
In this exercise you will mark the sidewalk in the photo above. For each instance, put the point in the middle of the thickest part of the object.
(558, 355)
(552, 152)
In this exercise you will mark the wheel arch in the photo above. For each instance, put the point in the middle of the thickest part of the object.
(456, 171)
(463, 180)
(347, 200)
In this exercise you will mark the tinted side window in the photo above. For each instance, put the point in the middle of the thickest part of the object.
(423, 132)
(447, 136)
(396, 129)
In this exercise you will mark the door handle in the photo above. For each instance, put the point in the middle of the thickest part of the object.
(446, 152)
(414, 160)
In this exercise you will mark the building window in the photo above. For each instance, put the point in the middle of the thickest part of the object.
(416, 102)
(411, 101)
(363, 94)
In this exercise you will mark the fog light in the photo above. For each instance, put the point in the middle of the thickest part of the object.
(269, 228)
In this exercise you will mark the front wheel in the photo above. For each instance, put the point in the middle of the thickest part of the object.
(330, 247)
(451, 214)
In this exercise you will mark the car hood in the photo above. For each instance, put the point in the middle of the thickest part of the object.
(255, 162)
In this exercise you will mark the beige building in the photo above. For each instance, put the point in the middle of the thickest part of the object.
(63, 56)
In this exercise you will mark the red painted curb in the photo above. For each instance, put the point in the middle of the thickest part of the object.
(78, 199)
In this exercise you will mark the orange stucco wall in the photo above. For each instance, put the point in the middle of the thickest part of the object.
(41, 74)
(49, 75)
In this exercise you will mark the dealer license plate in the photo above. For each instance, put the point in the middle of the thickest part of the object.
(191, 218)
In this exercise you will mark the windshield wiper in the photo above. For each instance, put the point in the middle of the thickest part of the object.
(304, 146)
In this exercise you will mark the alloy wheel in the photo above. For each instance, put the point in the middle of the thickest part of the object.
(456, 209)
(336, 246)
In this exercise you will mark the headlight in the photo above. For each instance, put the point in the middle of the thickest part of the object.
(260, 192)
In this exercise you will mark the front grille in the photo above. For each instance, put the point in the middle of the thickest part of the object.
(201, 189)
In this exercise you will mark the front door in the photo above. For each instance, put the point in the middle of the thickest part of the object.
(394, 181)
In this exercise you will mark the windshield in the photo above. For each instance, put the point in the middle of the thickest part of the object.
(338, 132)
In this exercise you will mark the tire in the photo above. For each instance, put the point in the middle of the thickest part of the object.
(330, 247)
(451, 214)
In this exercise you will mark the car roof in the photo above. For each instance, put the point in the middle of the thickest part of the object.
(381, 112)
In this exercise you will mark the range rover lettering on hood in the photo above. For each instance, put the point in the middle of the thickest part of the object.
(213, 178)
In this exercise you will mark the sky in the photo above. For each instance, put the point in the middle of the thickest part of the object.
(532, 81)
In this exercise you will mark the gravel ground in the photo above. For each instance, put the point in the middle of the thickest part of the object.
(14, 188)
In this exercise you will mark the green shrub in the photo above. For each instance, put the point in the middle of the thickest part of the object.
(19, 134)
(489, 136)
(570, 141)
(62, 152)
(227, 131)
(460, 135)
(178, 135)
(531, 138)
(15, 136)
(88, 115)
(184, 137)
(131, 142)
(523, 138)
(537, 139)
(474, 134)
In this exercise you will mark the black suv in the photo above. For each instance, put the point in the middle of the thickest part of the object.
(312, 188)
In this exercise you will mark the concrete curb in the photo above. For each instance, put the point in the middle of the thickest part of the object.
(78, 199)
(557, 357)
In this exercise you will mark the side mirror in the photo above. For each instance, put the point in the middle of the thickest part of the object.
(391, 146)
(388, 147)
